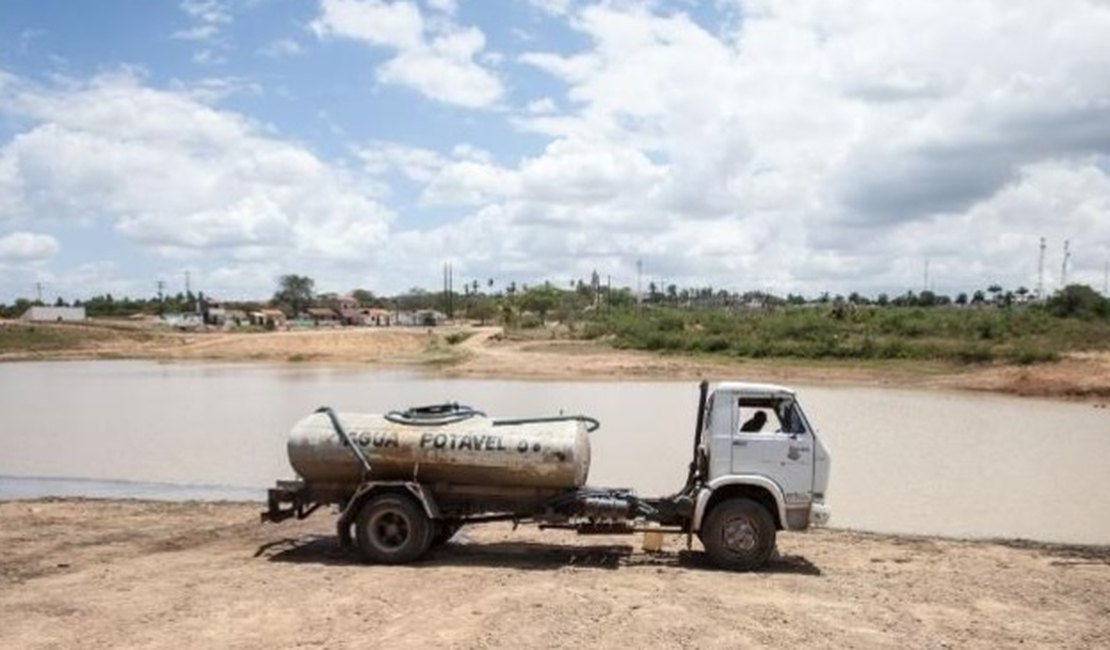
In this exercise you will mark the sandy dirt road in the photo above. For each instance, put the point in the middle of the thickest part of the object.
(101, 574)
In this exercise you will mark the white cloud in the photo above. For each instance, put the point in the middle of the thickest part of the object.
(281, 47)
(208, 57)
(175, 174)
(207, 20)
(27, 247)
(826, 136)
(207, 11)
(541, 106)
(435, 58)
(197, 33)
(810, 146)
(552, 7)
(445, 6)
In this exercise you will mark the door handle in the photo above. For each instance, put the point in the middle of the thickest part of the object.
(739, 443)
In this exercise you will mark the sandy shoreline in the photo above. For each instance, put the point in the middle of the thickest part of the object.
(99, 574)
(484, 353)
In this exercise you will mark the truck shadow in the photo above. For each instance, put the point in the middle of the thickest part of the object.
(326, 550)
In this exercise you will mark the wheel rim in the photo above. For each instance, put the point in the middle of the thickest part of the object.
(389, 530)
(740, 535)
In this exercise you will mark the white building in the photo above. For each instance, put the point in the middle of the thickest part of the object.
(54, 314)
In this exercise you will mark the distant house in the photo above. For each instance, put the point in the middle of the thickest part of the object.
(421, 318)
(269, 318)
(322, 316)
(214, 312)
(54, 314)
(235, 318)
(186, 321)
(348, 310)
(378, 317)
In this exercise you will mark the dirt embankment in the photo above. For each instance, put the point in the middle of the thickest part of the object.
(483, 352)
(98, 574)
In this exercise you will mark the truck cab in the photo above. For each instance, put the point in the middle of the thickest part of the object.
(761, 468)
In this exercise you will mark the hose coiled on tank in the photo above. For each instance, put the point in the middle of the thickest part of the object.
(433, 415)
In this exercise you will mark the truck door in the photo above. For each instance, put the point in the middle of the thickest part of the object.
(777, 445)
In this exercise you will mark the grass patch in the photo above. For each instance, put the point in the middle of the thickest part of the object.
(455, 338)
(965, 336)
(17, 337)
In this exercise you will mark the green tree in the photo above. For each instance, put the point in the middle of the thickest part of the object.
(1078, 300)
(365, 298)
(482, 308)
(295, 294)
(540, 300)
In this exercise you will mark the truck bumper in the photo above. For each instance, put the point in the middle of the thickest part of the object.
(819, 514)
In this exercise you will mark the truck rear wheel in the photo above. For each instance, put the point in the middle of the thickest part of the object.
(738, 534)
(392, 529)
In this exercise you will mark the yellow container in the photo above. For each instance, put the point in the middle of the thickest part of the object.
(653, 541)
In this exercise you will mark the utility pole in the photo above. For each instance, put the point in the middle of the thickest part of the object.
(639, 281)
(1064, 266)
(188, 287)
(925, 287)
(1040, 273)
(38, 290)
(161, 289)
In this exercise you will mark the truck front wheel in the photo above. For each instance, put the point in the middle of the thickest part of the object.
(738, 534)
(392, 529)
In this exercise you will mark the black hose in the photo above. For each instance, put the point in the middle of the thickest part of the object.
(591, 423)
(433, 415)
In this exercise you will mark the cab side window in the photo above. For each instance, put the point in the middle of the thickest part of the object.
(770, 416)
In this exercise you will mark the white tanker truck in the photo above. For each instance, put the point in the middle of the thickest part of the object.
(406, 481)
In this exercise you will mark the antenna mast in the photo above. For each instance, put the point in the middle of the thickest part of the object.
(1064, 266)
(1040, 273)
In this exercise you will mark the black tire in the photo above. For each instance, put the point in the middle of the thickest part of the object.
(738, 534)
(443, 531)
(392, 529)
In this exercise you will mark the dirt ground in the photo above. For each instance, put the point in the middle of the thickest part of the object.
(484, 352)
(99, 574)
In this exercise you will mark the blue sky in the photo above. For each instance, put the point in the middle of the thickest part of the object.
(783, 146)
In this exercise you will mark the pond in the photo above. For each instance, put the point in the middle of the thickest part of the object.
(904, 461)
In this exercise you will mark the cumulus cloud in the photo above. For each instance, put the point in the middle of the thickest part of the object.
(846, 128)
(173, 173)
(434, 58)
(789, 146)
(27, 247)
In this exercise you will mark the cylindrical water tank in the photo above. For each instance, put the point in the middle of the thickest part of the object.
(474, 451)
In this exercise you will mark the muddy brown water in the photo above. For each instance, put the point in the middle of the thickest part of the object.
(904, 461)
